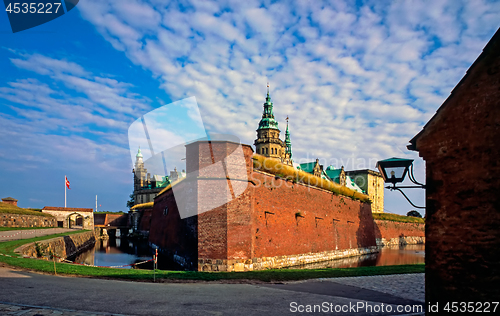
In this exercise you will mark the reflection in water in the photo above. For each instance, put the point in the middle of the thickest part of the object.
(388, 256)
(116, 252)
(119, 252)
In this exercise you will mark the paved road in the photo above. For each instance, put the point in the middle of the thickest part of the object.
(30, 233)
(26, 293)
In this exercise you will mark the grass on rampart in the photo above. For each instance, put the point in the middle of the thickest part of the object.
(147, 275)
(12, 209)
(397, 218)
(275, 167)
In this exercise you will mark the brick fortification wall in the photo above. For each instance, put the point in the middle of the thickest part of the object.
(273, 223)
(17, 220)
(460, 147)
(398, 233)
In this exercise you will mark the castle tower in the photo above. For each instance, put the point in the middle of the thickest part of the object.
(268, 142)
(287, 157)
(140, 173)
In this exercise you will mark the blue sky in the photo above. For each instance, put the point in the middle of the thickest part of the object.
(357, 79)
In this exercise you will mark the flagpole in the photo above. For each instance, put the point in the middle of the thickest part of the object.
(65, 191)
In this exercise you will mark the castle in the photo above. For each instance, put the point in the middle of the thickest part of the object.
(264, 211)
(269, 144)
(147, 187)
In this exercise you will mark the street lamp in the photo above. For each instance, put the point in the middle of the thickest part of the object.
(394, 170)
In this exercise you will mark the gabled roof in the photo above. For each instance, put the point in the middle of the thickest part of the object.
(488, 49)
(307, 167)
(9, 199)
(67, 209)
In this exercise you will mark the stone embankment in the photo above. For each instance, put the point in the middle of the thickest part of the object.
(278, 262)
(62, 247)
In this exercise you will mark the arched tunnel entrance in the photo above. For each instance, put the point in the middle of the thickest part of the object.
(75, 220)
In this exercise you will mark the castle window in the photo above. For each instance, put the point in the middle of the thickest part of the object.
(266, 151)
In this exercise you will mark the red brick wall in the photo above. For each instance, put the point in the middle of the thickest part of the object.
(260, 222)
(117, 219)
(461, 148)
(145, 223)
(391, 229)
(326, 221)
(175, 236)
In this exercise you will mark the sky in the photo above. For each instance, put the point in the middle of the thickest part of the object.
(358, 79)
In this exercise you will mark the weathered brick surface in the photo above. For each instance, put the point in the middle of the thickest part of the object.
(460, 147)
(176, 237)
(273, 223)
(17, 220)
(272, 218)
(390, 232)
(145, 223)
(295, 218)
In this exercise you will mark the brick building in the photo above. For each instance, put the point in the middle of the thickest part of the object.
(273, 223)
(460, 147)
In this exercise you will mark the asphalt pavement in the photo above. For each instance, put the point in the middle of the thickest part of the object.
(28, 293)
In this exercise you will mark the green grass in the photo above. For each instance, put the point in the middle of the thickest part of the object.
(12, 209)
(2, 229)
(145, 275)
(397, 218)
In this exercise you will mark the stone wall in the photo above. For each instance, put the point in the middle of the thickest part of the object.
(18, 220)
(62, 247)
(399, 233)
(65, 215)
(278, 262)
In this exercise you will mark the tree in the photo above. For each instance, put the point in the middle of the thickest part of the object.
(414, 214)
(131, 202)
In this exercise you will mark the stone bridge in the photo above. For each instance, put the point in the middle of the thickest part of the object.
(112, 224)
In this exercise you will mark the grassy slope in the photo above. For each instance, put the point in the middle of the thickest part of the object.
(264, 275)
(11, 209)
(397, 218)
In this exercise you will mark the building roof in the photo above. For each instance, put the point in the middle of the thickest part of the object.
(67, 209)
(307, 167)
(139, 154)
(268, 120)
(488, 49)
(363, 171)
(9, 199)
(333, 173)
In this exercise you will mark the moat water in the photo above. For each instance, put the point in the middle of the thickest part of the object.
(122, 252)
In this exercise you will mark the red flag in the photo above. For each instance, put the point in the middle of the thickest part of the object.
(67, 182)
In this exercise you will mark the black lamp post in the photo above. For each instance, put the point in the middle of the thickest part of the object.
(394, 170)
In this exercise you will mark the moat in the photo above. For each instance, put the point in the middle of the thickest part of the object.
(116, 252)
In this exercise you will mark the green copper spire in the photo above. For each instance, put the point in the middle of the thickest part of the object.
(268, 120)
(139, 154)
(288, 143)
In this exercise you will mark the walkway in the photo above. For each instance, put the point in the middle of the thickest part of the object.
(30, 233)
(28, 293)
